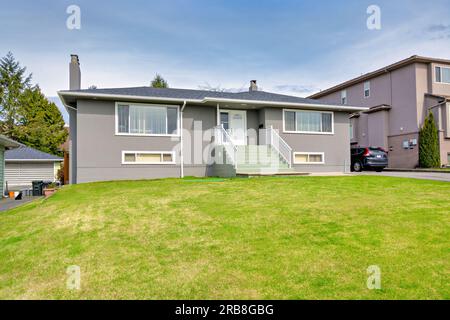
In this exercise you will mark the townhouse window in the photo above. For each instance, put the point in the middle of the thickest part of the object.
(305, 121)
(309, 158)
(138, 119)
(148, 157)
(367, 89)
(442, 74)
(344, 97)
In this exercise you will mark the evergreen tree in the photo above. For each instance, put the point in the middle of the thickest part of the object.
(25, 113)
(429, 144)
(40, 124)
(159, 82)
(13, 82)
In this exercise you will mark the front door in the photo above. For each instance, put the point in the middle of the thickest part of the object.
(235, 122)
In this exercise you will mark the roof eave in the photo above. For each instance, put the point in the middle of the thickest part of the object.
(34, 160)
(90, 95)
(369, 75)
(62, 94)
(9, 143)
(290, 104)
(63, 100)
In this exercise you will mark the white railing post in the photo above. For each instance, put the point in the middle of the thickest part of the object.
(226, 142)
(281, 147)
(271, 135)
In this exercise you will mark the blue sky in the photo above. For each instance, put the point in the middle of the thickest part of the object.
(290, 47)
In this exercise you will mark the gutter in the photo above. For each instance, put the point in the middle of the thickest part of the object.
(34, 160)
(181, 141)
(440, 104)
(61, 94)
(288, 104)
(382, 107)
(9, 143)
(61, 97)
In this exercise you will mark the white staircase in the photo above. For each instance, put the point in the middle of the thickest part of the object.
(272, 157)
(260, 159)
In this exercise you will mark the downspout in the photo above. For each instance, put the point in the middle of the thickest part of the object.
(218, 114)
(181, 141)
(440, 120)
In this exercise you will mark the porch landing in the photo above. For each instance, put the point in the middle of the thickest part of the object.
(244, 174)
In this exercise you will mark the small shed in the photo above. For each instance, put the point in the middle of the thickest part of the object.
(25, 164)
(5, 145)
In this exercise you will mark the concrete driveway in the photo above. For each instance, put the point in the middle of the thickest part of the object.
(416, 175)
(6, 204)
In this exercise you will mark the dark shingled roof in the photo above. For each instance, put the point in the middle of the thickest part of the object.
(199, 94)
(27, 153)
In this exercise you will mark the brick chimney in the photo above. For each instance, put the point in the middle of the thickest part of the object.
(253, 86)
(74, 73)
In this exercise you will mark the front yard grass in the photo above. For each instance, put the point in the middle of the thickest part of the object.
(262, 238)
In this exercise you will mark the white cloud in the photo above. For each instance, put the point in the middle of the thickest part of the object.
(105, 66)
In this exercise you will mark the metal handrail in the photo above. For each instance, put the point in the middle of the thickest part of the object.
(230, 147)
(286, 153)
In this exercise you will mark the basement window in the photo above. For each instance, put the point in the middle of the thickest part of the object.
(309, 158)
(148, 157)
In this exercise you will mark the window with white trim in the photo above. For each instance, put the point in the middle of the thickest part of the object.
(139, 119)
(367, 89)
(344, 97)
(148, 157)
(306, 121)
(442, 74)
(309, 158)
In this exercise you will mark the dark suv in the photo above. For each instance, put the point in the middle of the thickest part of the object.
(369, 158)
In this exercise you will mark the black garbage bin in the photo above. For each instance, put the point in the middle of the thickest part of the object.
(38, 186)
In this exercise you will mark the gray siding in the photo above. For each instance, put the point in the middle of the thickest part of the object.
(72, 146)
(99, 149)
(23, 173)
(336, 146)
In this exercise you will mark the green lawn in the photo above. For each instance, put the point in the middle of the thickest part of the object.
(262, 238)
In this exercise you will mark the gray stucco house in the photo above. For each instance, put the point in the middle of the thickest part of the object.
(143, 133)
(25, 164)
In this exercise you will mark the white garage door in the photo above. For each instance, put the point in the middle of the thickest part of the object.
(22, 174)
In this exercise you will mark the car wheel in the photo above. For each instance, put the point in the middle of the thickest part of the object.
(379, 169)
(357, 167)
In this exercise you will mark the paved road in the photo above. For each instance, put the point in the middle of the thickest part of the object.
(415, 175)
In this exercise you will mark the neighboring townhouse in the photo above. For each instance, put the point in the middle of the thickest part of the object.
(144, 132)
(399, 97)
(23, 165)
